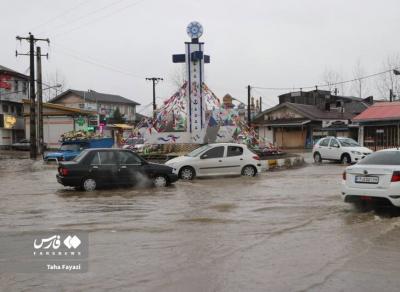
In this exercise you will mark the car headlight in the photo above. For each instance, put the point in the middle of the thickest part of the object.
(356, 152)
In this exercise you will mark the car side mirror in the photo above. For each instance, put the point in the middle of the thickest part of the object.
(337, 146)
(204, 156)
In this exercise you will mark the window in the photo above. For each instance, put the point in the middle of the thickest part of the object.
(216, 152)
(18, 110)
(334, 143)
(95, 159)
(16, 85)
(24, 87)
(382, 158)
(324, 142)
(126, 157)
(107, 157)
(234, 151)
(5, 108)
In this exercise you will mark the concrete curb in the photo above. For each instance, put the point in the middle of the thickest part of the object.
(289, 162)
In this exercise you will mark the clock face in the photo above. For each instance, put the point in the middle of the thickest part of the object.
(194, 30)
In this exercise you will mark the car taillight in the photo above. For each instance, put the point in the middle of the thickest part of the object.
(344, 175)
(63, 171)
(256, 157)
(395, 176)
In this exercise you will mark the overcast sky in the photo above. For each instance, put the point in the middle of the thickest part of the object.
(112, 45)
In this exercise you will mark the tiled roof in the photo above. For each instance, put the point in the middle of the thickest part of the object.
(97, 96)
(380, 111)
(13, 72)
(311, 112)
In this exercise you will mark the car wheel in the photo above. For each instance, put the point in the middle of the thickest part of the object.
(346, 159)
(160, 181)
(187, 173)
(249, 171)
(317, 158)
(89, 184)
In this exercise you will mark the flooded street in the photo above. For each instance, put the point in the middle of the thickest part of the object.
(280, 231)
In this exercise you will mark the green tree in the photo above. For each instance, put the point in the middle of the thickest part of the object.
(118, 118)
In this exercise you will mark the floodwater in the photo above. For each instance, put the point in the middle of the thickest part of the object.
(281, 231)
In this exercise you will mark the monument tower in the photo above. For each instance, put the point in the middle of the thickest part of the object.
(194, 60)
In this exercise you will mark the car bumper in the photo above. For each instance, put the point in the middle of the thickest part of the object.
(172, 177)
(66, 181)
(392, 194)
(356, 157)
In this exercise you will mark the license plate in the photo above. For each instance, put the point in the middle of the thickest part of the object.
(367, 179)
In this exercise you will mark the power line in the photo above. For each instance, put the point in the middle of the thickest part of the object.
(81, 17)
(326, 85)
(99, 18)
(61, 14)
(95, 63)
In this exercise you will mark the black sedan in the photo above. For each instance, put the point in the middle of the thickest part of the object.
(95, 168)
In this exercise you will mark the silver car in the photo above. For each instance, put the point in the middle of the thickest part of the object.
(217, 159)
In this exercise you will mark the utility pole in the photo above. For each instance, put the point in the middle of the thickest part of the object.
(260, 104)
(155, 80)
(40, 98)
(32, 115)
(248, 105)
(391, 94)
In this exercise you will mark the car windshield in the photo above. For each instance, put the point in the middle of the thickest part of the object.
(198, 151)
(382, 158)
(134, 141)
(80, 156)
(70, 147)
(347, 142)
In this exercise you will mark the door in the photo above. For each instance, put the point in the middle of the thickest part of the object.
(211, 161)
(334, 151)
(104, 167)
(323, 147)
(234, 160)
(129, 168)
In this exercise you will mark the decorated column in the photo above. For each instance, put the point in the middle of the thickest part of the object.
(194, 60)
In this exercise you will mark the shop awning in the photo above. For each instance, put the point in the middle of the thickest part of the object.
(286, 124)
(121, 126)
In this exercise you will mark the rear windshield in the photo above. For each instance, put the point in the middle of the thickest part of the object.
(383, 158)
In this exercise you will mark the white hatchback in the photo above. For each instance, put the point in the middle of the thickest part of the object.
(342, 149)
(375, 178)
(217, 159)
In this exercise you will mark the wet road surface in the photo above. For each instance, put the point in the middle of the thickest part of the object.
(281, 231)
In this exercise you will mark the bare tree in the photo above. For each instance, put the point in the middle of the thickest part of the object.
(360, 86)
(331, 78)
(53, 80)
(178, 77)
(389, 81)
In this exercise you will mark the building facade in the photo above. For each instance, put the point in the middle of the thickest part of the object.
(103, 103)
(57, 120)
(13, 89)
(379, 126)
(301, 118)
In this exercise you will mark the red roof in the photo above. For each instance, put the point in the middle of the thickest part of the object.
(380, 111)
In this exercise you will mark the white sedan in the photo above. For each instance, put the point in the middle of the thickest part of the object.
(216, 159)
(341, 149)
(376, 178)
